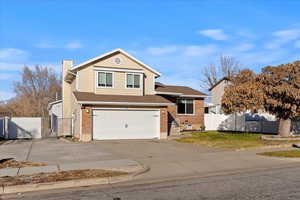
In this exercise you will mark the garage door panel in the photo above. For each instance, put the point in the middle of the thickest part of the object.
(125, 124)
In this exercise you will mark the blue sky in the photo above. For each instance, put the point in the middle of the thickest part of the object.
(177, 37)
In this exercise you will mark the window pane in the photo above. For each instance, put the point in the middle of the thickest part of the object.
(108, 79)
(180, 107)
(136, 81)
(189, 107)
(101, 79)
(129, 80)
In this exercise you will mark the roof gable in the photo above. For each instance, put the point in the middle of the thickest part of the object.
(220, 81)
(111, 53)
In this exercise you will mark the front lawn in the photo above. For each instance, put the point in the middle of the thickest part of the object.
(287, 154)
(229, 140)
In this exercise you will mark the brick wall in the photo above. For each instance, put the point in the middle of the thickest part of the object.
(196, 120)
(163, 123)
(86, 124)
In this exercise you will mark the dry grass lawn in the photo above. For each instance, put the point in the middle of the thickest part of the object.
(58, 176)
(287, 154)
(229, 140)
(6, 163)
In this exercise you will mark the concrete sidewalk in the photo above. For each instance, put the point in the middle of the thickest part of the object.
(61, 156)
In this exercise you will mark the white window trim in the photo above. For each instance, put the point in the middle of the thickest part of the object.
(141, 85)
(97, 79)
(185, 107)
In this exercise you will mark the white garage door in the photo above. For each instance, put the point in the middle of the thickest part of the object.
(126, 124)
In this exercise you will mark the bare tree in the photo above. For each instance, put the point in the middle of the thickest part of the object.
(38, 87)
(227, 67)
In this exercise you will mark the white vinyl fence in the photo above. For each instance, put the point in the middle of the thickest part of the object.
(21, 127)
(247, 122)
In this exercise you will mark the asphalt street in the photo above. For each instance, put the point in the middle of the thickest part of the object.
(275, 184)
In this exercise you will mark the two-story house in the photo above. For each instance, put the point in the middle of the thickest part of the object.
(216, 93)
(115, 96)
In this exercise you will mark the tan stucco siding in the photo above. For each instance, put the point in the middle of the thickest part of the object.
(67, 90)
(149, 83)
(87, 77)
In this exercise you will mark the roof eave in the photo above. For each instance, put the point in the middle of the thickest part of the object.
(169, 93)
(52, 103)
(124, 103)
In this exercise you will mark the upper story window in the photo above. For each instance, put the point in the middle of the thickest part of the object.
(105, 79)
(185, 106)
(133, 80)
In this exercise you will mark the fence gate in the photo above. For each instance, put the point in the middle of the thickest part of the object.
(2, 121)
(46, 130)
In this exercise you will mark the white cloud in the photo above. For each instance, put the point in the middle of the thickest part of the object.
(5, 95)
(244, 47)
(216, 34)
(8, 54)
(247, 34)
(45, 45)
(162, 50)
(15, 67)
(6, 76)
(197, 50)
(73, 45)
(282, 37)
(287, 35)
(68, 45)
(6, 66)
(297, 44)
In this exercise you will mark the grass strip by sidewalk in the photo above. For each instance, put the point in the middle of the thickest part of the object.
(229, 140)
(59, 176)
(295, 153)
(11, 163)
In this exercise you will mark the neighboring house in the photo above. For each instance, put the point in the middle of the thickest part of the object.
(216, 93)
(115, 96)
(55, 114)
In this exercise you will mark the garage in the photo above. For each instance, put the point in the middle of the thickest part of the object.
(110, 124)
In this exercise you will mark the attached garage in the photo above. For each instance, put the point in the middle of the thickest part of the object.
(109, 124)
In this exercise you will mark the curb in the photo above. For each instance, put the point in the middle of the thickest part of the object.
(71, 183)
(266, 147)
(268, 138)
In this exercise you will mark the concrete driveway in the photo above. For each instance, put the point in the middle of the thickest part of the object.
(168, 158)
(65, 155)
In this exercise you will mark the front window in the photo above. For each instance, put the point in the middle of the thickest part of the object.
(133, 80)
(105, 79)
(185, 106)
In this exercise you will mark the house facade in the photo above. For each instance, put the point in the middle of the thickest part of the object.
(216, 93)
(116, 96)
